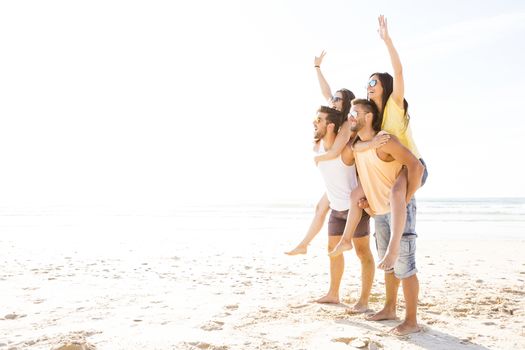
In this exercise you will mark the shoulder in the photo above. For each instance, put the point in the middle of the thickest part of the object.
(393, 107)
(392, 142)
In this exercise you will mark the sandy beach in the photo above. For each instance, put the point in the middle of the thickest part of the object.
(142, 282)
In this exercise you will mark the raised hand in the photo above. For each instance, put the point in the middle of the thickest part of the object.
(383, 27)
(319, 60)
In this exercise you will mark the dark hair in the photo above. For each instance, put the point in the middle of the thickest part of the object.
(333, 116)
(371, 107)
(348, 96)
(387, 82)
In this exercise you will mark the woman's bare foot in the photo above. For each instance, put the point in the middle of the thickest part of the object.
(328, 299)
(340, 248)
(300, 249)
(358, 309)
(382, 315)
(404, 329)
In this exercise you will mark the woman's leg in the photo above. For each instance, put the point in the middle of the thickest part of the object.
(321, 209)
(398, 212)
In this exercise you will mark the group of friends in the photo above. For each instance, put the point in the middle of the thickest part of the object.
(371, 167)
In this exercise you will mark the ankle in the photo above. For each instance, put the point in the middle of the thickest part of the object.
(362, 302)
(390, 308)
(411, 322)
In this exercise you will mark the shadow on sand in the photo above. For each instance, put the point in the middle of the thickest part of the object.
(428, 338)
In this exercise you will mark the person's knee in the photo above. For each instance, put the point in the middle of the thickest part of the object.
(332, 243)
(363, 252)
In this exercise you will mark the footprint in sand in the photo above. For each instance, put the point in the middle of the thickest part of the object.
(513, 291)
(13, 316)
(359, 343)
(232, 307)
(344, 340)
(202, 345)
(213, 326)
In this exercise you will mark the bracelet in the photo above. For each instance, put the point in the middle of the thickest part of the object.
(317, 67)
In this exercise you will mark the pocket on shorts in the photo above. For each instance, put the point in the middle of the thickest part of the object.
(407, 246)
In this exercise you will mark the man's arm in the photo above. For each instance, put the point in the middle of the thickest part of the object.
(404, 156)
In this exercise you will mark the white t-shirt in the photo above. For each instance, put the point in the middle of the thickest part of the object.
(340, 179)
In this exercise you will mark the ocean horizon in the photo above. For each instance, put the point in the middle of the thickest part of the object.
(487, 218)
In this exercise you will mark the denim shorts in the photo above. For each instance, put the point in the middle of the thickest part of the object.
(406, 262)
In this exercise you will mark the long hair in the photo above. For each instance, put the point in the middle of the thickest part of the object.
(387, 82)
(348, 96)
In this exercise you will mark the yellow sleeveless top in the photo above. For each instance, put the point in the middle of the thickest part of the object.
(377, 178)
(394, 123)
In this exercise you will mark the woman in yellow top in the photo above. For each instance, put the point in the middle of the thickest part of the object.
(388, 94)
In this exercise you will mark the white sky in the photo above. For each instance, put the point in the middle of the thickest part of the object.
(163, 102)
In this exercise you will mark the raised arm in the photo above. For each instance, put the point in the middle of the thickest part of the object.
(325, 88)
(404, 156)
(398, 94)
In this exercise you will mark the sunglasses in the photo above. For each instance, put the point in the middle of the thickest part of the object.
(355, 113)
(372, 82)
(336, 99)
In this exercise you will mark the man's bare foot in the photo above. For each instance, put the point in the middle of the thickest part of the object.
(340, 248)
(382, 315)
(328, 299)
(300, 249)
(358, 309)
(404, 329)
